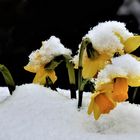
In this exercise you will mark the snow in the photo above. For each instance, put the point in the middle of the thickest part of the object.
(107, 37)
(34, 112)
(49, 49)
(75, 60)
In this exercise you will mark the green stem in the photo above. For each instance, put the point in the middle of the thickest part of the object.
(50, 84)
(72, 82)
(84, 43)
(134, 94)
(8, 78)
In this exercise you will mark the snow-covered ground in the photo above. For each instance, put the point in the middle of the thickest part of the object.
(34, 112)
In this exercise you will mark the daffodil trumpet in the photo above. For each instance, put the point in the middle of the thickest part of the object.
(84, 44)
(67, 59)
(120, 89)
(8, 78)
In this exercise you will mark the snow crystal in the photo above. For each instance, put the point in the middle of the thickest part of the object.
(34, 58)
(49, 49)
(105, 37)
(122, 66)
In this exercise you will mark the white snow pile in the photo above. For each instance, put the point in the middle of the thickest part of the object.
(106, 37)
(122, 66)
(49, 49)
(34, 112)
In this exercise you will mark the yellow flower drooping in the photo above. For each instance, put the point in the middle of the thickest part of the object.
(41, 74)
(111, 84)
(39, 59)
(100, 103)
(103, 101)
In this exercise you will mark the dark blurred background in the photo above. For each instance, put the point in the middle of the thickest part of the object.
(25, 23)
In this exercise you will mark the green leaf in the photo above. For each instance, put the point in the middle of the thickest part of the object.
(7, 77)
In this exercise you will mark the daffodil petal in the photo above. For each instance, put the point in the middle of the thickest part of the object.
(31, 68)
(93, 107)
(131, 44)
(104, 104)
(134, 81)
(90, 107)
(97, 111)
(109, 96)
(92, 66)
(52, 75)
(41, 75)
(106, 88)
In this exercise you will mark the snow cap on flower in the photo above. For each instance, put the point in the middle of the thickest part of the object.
(49, 49)
(108, 37)
(124, 66)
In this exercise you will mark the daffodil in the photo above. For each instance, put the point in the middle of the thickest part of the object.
(39, 59)
(100, 104)
(112, 84)
(44, 61)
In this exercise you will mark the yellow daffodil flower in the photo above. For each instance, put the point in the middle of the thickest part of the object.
(41, 74)
(104, 100)
(101, 101)
(43, 61)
